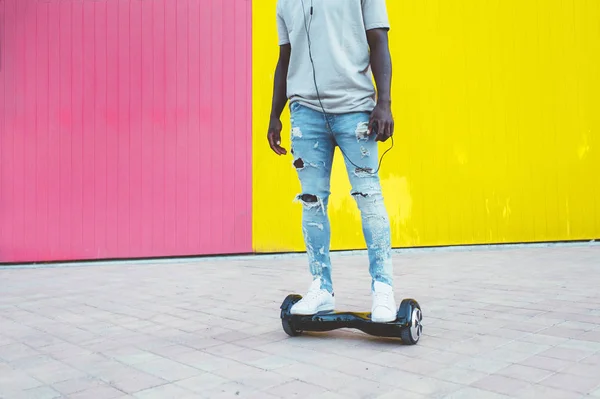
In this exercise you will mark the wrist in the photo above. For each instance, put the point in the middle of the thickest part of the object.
(384, 102)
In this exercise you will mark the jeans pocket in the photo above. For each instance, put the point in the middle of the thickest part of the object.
(294, 106)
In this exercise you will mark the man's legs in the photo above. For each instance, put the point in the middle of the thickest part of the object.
(312, 149)
(351, 135)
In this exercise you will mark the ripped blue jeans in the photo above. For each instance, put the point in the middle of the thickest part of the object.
(313, 147)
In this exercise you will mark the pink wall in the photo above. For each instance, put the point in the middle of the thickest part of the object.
(125, 128)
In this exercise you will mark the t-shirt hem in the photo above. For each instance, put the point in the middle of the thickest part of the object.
(380, 25)
(365, 107)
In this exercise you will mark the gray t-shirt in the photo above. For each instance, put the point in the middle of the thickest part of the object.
(339, 49)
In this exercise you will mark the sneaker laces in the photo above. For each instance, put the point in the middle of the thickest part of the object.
(312, 295)
(382, 296)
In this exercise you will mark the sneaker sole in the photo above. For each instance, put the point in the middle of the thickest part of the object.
(383, 320)
(391, 318)
(320, 309)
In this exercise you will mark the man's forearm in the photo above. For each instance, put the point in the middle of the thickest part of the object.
(279, 90)
(381, 65)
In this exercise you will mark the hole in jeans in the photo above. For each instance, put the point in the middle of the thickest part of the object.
(309, 198)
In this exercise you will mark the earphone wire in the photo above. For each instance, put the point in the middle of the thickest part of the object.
(307, 28)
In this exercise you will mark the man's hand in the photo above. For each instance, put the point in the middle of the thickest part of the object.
(382, 121)
(274, 136)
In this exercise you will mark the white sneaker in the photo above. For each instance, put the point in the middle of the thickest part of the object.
(315, 301)
(384, 305)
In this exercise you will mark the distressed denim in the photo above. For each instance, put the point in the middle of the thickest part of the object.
(313, 147)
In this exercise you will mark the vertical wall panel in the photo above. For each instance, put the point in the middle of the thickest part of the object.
(497, 128)
(3, 84)
(42, 177)
(124, 128)
(135, 212)
(20, 218)
(208, 109)
(195, 53)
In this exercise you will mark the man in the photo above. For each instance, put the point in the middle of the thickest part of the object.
(329, 52)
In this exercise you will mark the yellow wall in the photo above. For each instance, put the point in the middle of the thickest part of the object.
(497, 109)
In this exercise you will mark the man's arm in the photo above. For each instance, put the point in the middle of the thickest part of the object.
(279, 99)
(381, 65)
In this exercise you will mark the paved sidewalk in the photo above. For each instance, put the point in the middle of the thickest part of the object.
(522, 323)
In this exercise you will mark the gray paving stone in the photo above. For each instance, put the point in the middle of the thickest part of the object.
(168, 369)
(547, 363)
(42, 392)
(202, 383)
(569, 354)
(98, 392)
(16, 351)
(525, 373)
(232, 389)
(16, 380)
(474, 393)
(76, 385)
(572, 383)
(168, 391)
(135, 381)
(296, 388)
(458, 375)
(501, 384)
(543, 392)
